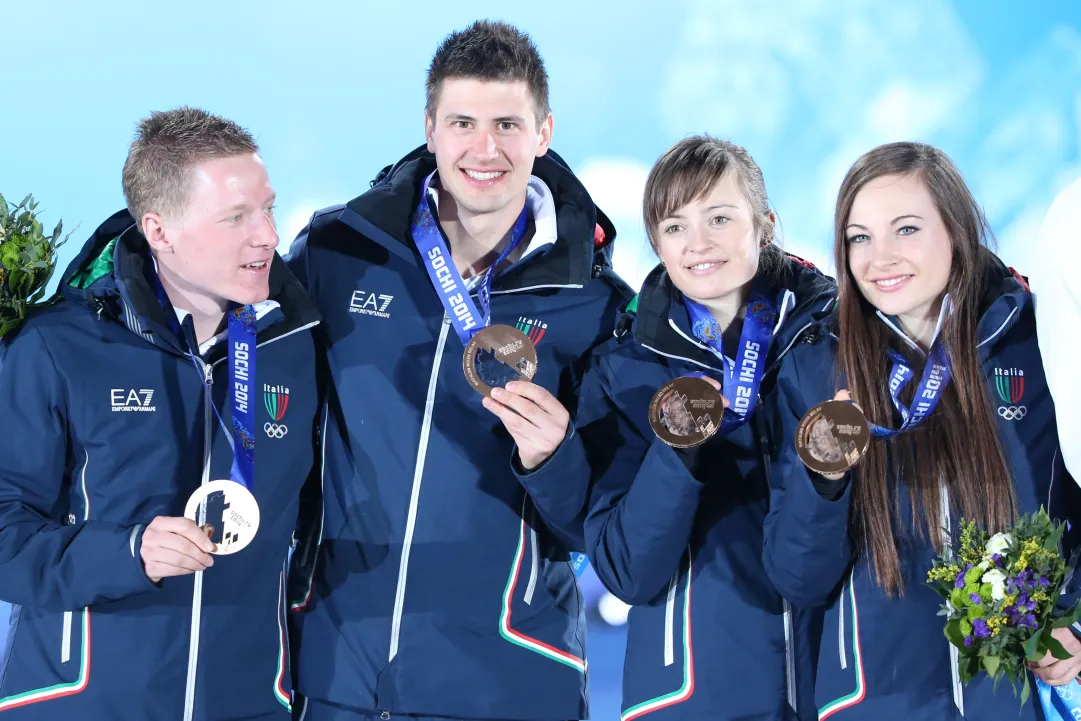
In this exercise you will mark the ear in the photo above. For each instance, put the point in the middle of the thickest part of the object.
(429, 132)
(768, 230)
(153, 228)
(545, 131)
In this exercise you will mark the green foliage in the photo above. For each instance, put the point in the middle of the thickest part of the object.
(27, 260)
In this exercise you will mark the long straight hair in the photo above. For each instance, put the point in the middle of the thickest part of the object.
(956, 449)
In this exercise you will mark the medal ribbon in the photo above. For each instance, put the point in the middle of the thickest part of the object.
(452, 290)
(242, 343)
(1060, 703)
(936, 376)
(742, 379)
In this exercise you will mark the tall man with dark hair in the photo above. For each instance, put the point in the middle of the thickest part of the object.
(157, 431)
(438, 588)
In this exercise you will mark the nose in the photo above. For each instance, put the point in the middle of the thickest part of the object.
(883, 254)
(696, 241)
(266, 231)
(484, 146)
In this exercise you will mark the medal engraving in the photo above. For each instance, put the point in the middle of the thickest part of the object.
(686, 412)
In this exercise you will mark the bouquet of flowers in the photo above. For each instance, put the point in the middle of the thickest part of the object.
(1001, 593)
(27, 260)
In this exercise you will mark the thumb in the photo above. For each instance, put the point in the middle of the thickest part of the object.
(842, 395)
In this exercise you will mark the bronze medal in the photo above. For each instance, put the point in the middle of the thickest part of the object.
(686, 412)
(832, 437)
(496, 356)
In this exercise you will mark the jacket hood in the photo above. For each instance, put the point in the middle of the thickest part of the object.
(585, 234)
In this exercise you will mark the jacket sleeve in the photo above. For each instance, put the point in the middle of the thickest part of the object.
(807, 549)
(559, 487)
(642, 499)
(45, 563)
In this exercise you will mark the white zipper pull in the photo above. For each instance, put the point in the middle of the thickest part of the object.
(208, 374)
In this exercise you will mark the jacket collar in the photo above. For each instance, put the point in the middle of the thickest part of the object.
(662, 323)
(111, 276)
(569, 261)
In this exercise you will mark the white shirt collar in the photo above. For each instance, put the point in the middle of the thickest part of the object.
(541, 204)
(261, 309)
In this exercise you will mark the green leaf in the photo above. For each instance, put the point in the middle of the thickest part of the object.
(26, 200)
(1032, 647)
(1024, 692)
(953, 633)
(1071, 617)
(990, 664)
(1057, 649)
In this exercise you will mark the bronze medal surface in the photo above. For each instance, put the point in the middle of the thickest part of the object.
(496, 356)
(686, 412)
(832, 437)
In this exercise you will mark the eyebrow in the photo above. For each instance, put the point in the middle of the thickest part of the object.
(892, 222)
(244, 206)
(722, 205)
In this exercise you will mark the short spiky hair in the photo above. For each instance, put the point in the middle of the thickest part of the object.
(167, 144)
(491, 51)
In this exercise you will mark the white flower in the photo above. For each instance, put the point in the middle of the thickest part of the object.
(997, 579)
(998, 543)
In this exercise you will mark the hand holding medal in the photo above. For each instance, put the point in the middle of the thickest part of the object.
(833, 436)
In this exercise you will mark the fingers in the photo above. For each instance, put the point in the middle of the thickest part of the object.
(1059, 673)
(540, 395)
(842, 395)
(174, 547)
(513, 421)
(524, 406)
(184, 527)
(713, 382)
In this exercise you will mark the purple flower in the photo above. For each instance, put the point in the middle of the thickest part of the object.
(975, 598)
(996, 557)
(979, 628)
(968, 640)
(1022, 599)
(1031, 605)
(1028, 621)
(1043, 582)
(960, 581)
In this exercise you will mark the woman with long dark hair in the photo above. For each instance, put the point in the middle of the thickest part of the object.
(922, 298)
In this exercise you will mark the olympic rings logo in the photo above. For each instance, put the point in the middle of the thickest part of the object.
(1012, 413)
(273, 430)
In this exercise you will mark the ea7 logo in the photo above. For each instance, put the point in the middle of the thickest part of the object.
(370, 303)
(122, 399)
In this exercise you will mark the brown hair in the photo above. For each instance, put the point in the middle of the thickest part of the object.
(167, 144)
(690, 169)
(491, 51)
(957, 446)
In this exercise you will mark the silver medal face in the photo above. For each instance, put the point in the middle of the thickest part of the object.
(228, 512)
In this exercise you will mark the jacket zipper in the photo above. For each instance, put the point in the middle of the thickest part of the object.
(197, 594)
(947, 543)
(534, 551)
(414, 499)
(841, 629)
(670, 621)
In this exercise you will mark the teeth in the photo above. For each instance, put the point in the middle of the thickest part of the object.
(477, 175)
(702, 266)
(260, 264)
(891, 281)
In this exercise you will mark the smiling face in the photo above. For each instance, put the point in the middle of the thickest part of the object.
(709, 246)
(221, 246)
(485, 137)
(899, 252)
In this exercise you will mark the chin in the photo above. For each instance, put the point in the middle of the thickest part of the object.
(249, 296)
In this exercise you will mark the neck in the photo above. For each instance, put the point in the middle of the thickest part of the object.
(920, 325)
(476, 239)
(727, 308)
(206, 313)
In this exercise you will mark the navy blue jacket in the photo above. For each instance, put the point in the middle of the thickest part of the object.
(106, 426)
(883, 657)
(438, 587)
(665, 526)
